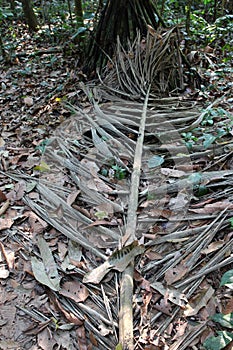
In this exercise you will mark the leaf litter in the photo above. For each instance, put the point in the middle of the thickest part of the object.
(188, 233)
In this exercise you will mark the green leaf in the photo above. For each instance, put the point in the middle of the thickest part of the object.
(224, 320)
(42, 167)
(202, 190)
(155, 161)
(195, 178)
(42, 146)
(219, 342)
(227, 279)
(231, 221)
(209, 139)
(101, 215)
(119, 347)
(79, 31)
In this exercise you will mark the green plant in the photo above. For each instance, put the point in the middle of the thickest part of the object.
(5, 13)
(119, 172)
(189, 138)
(225, 337)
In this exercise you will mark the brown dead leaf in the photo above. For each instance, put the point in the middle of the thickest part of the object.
(212, 247)
(18, 192)
(146, 298)
(175, 274)
(209, 310)
(102, 222)
(4, 273)
(5, 223)
(173, 172)
(3, 197)
(165, 213)
(81, 337)
(213, 208)
(75, 291)
(228, 308)
(164, 306)
(93, 339)
(180, 329)
(72, 197)
(68, 315)
(171, 294)
(28, 101)
(199, 301)
(45, 339)
(37, 224)
(152, 255)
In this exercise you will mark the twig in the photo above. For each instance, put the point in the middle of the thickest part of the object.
(4, 208)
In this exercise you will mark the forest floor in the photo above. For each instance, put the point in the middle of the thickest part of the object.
(33, 93)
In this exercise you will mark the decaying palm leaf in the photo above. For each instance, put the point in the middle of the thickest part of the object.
(111, 160)
(105, 185)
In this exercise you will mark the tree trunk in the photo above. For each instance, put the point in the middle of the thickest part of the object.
(79, 12)
(13, 6)
(119, 18)
(30, 16)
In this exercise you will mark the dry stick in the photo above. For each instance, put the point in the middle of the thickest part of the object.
(126, 291)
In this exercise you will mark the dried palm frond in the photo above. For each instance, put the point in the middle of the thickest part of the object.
(153, 61)
(106, 188)
(89, 149)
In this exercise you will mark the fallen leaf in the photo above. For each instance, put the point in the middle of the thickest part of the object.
(175, 274)
(75, 291)
(28, 101)
(3, 197)
(45, 339)
(4, 273)
(198, 302)
(213, 208)
(18, 192)
(212, 247)
(171, 294)
(228, 308)
(45, 271)
(173, 172)
(81, 338)
(5, 223)
(72, 197)
(119, 260)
